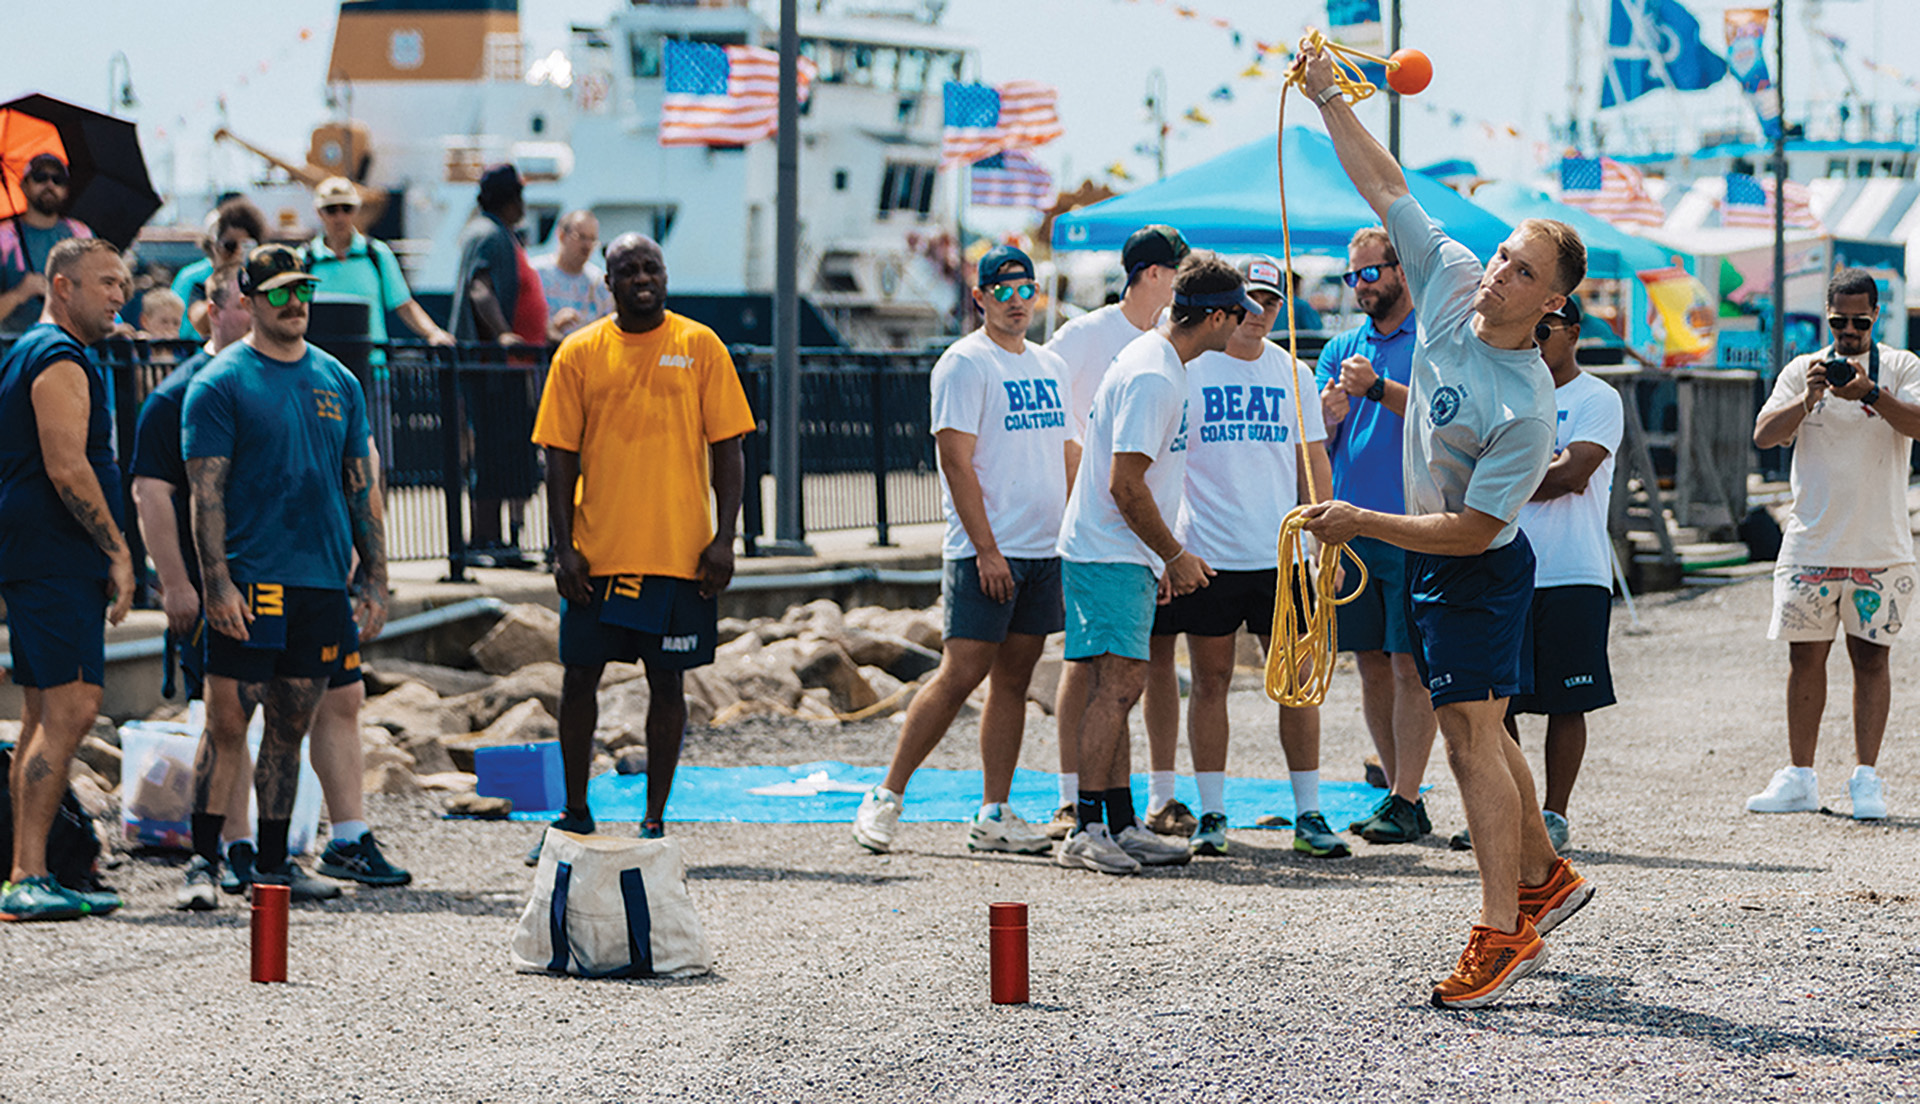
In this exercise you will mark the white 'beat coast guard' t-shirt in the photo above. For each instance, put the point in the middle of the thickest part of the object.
(1569, 533)
(1242, 455)
(1014, 404)
(1141, 407)
(1088, 345)
(1849, 474)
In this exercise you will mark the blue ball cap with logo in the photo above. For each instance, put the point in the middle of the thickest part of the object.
(994, 270)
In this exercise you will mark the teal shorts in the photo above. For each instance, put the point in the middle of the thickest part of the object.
(1109, 609)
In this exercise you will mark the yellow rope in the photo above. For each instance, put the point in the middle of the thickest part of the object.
(1301, 657)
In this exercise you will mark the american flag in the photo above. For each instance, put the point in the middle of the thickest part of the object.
(723, 95)
(1750, 203)
(1012, 178)
(982, 120)
(1607, 189)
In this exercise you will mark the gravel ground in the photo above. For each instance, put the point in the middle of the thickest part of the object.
(1727, 956)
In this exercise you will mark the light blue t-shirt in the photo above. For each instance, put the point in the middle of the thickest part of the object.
(1480, 420)
(367, 272)
(1365, 447)
(289, 427)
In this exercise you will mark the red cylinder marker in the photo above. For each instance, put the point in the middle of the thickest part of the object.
(270, 931)
(1007, 952)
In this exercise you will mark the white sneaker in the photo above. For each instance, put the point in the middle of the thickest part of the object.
(1004, 830)
(1149, 849)
(1091, 848)
(1864, 788)
(1793, 790)
(879, 815)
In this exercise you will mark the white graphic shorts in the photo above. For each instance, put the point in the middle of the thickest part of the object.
(1810, 602)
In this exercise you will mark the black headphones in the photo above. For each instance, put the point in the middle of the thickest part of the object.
(1542, 331)
(1570, 314)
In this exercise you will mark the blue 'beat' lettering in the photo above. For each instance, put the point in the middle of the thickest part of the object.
(1235, 408)
(1014, 400)
(1216, 406)
(1257, 405)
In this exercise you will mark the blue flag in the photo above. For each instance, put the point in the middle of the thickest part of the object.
(1655, 44)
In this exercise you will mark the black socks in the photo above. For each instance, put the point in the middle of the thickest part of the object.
(206, 835)
(1119, 803)
(272, 851)
(1090, 809)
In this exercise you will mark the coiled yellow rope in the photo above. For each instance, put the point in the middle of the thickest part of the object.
(1301, 657)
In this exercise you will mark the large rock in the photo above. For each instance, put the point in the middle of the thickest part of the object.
(390, 778)
(731, 629)
(384, 675)
(829, 667)
(473, 805)
(414, 711)
(1044, 687)
(623, 713)
(536, 681)
(707, 695)
(102, 757)
(898, 656)
(758, 674)
(528, 633)
(816, 706)
(526, 723)
(885, 686)
(429, 754)
(922, 627)
(822, 615)
(451, 781)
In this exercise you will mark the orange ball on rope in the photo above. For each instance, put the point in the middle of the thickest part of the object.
(1409, 72)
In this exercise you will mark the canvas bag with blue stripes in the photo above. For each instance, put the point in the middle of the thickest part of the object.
(610, 908)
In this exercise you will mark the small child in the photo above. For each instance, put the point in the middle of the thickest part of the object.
(160, 311)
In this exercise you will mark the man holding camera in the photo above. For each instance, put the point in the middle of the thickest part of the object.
(1846, 559)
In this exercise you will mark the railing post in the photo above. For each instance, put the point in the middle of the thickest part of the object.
(879, 412)
(452, 478)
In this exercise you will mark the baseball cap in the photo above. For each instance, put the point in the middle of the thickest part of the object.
(499, 183)
(1153, 245)
(1263, 274)
(336, 191)
(999, 257)
(272, 266)
(1570, 312)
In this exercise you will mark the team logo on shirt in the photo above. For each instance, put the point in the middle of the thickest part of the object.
(676, 361)
(327, 405)
(1445, 405)
(1236, 413)
(1180, 439)
(1035, 404)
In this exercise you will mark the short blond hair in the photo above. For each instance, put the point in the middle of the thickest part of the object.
(1570, 253)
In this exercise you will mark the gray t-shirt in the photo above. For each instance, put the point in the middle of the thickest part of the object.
(1480, 421)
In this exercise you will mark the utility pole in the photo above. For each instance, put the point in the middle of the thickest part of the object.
(789, 527)
(1393, 98)
(1780, 186)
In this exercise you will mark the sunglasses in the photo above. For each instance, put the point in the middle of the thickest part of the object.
(48, 178)
(1367, 274)
(1003, 292)
(1839, 322)
(337, 209)
(233, 245)
(280, 296)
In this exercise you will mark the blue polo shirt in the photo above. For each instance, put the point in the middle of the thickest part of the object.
(289, 427)
(368, 272)
(156, 449)
(1365, 448)
(39, 537)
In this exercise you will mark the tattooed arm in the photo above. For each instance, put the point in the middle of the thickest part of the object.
(366, 513)
(62, 407)
(226, 610)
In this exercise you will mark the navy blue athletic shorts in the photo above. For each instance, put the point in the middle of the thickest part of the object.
(1569, 646)
(1376, 621)
(58, 631)
(296, 633)
(657, 620)
(1229, 600)
(1473, 617)
(1036, 608)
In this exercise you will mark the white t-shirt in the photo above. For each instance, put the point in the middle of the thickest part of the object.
(1569, 533)
(1141, 407)
(1849, 470)
(1014, 404)
(1088, 344)
(1242, 459)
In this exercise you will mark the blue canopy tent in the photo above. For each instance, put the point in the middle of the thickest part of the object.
(1612, 253)
(1232, 204)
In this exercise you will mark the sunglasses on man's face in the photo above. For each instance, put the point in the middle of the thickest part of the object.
(233, 245)
(337, 209)
(1003, 292)
(1367, 274)
(48, 178)
(280, 296)
(1839, 322)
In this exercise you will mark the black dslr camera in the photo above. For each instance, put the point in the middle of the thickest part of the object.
(1839, 370)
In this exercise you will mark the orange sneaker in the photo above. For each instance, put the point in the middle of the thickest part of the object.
(1550, 904)
(1490, 965)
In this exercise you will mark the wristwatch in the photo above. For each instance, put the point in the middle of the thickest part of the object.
(1872, 396)
(1379, 389)
(1326, 95)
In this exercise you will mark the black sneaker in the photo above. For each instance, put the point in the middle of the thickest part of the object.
(567, 823)
(1420, 813)
(1399, 822)
(303, 886)
(237, 874)
(652, 829)
(361, 861)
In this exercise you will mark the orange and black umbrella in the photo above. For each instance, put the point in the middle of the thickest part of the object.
(109, 189)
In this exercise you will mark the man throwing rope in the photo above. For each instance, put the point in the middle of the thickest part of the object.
(1479, 436)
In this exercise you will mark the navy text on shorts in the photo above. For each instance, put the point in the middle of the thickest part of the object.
(681, 627)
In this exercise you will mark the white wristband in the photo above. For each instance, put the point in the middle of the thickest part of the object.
(1326, 95)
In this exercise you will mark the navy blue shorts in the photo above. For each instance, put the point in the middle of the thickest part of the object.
(657, 620)
(296, 633)
(1473, 617)
(192, 656)
(1570, 672)
(1229, 600)
(1376, 621)
(58, 631)
(1036, 608)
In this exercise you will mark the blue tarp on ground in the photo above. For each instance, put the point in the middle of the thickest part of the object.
(1232, 204)
(723, 794)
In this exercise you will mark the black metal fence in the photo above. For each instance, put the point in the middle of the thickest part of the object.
(465, 484)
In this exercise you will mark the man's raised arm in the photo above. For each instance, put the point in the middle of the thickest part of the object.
(1374, 172)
